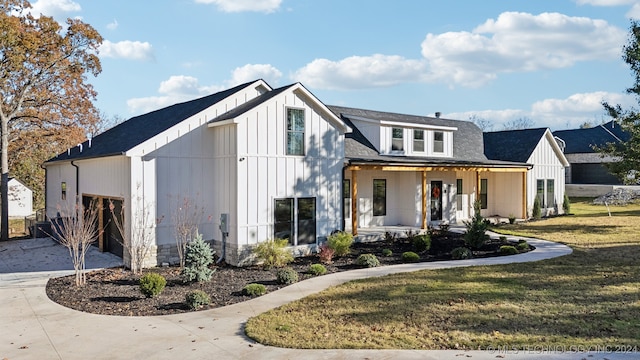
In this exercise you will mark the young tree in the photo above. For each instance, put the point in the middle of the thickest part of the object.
(484, 124)
(76, 228)
(42, 79)
(186, 217)
(627, 153)
(139, 240)
(518, 124)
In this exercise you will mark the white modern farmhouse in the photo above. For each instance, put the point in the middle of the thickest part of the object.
(264, 163)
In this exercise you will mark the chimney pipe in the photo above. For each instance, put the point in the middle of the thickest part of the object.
(438, 113)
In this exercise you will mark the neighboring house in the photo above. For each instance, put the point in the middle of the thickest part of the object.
(418, 171)
(20, 199)
(269, 160)
(587, 165)
(546, 180)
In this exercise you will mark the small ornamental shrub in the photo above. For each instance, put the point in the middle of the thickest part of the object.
(444, 227)
(522, 245)
(502, 238)
(254, 290)
(421, 243)
(198, 257)
(317, 269)
(340, 242)
(461, 253)
(273, 253)
(512, 219)
(325, 253)
(387, 252)
(287, 276)
(508, 250)
(152, 284)
(537, 211)
(410, 257)
(367, 260)
(197, 299)
(566, 204)
(476, 234)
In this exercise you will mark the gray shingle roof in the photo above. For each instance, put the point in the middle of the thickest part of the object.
(512, 145)
(467, 140)
(579, 141)
(138, 129)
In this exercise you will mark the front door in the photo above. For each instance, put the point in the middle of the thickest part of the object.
(436, 200)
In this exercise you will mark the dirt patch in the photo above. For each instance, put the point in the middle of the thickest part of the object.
(115, 291)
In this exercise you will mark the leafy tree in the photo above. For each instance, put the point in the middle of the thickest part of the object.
(43, 89)
(627, 153)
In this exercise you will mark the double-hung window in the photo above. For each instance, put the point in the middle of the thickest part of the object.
(379, 197)
(484, 193)
(397, 139)
(295, 131)
(551, 201)
(438, 142)
(418, 140)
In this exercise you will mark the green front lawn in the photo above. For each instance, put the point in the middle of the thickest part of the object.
(590, 298)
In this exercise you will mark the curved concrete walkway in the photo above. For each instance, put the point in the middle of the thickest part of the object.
(33, 327)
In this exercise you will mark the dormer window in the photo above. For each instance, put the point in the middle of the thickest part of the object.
(438, 142)
(418, 140)
(397, 140)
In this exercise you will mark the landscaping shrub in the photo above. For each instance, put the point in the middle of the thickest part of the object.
(152, 284)
(340, 242)
(476, 236)
(197, 299)
(317, 269)
(512, 219)
(325, 253)
(461, 253)
(566, 204)
(421, 243)
(522, 245)
(287, 276)
(410, 257)
(387, 252)
(273, 253)
(367, 260)
(254, 290)
(198, 257)
(508, 250)
(536, 213)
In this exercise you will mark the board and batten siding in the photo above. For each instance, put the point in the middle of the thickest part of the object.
(266, 173)
(547, 165)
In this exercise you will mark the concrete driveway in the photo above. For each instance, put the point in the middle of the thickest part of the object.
(33, 327)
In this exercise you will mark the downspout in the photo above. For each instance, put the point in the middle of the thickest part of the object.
(77, 179)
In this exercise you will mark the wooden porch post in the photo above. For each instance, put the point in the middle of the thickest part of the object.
(424, 199)
(354, 203)
(524, 196)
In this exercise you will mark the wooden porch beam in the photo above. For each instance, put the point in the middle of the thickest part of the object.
(435, 168)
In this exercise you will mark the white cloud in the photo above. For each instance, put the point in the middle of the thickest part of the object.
(113, 25)
(55, 8)
(557, 114)
(266, 6)
(252, 72)
(131, 50)
(358, 72)
(634, 13)
(519, 42)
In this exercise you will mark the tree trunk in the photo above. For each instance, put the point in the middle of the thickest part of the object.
(4, 183)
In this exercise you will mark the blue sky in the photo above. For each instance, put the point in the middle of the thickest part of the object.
(551, 61)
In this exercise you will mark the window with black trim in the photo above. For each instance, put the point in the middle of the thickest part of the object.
(459, 194)
(397, 139)
(551, 193)
(484, 184)
(346, 197)
(63, 195)
(295, 131)
(379, 197)
(540, 192)
(283, 224)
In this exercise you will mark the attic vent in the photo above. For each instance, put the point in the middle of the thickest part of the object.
(438, 113)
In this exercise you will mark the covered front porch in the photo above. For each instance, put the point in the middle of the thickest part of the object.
(395, 198)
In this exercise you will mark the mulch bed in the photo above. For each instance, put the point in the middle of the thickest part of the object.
(115, 291)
